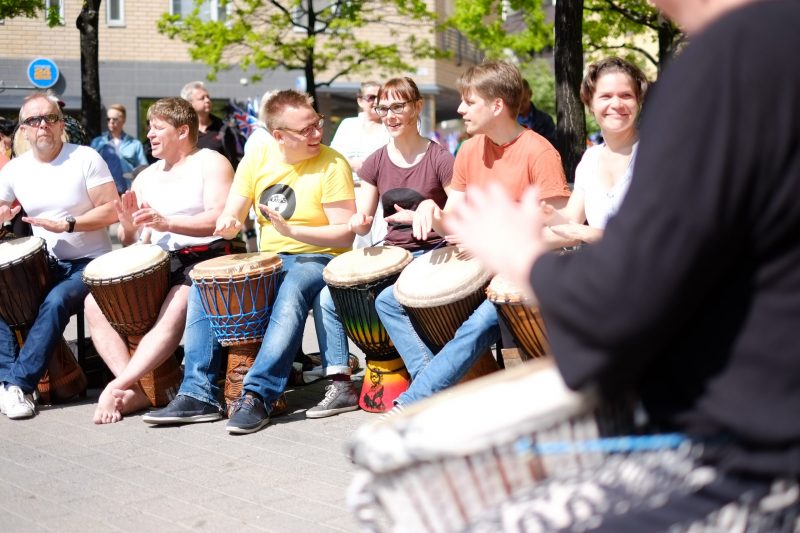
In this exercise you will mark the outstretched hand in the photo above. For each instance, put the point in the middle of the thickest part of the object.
(7, 213)
(277, 220)
(126, 206)
(147, 216)
(503, 234)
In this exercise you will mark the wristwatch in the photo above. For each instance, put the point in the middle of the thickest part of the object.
(71, 221)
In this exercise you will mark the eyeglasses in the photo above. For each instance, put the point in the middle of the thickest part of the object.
(33, 122)
(369, 97)
(396, 108)
(309, 130)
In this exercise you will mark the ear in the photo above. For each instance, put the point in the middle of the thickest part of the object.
(183, 132)
(498, 107)
(277, 135)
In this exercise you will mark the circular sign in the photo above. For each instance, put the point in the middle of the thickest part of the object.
(43, 73)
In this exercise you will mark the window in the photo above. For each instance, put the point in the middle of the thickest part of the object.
(115, 12)
(56, 6)
(209, 9)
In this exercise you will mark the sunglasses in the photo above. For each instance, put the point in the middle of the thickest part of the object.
(33, 122)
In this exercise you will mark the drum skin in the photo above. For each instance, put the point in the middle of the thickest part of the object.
(439, 291)
(523, 320)
(355, 279)
(129, 286)
(24, 280)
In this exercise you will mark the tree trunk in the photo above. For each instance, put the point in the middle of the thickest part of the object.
(668, 38)
(87, 24)
(571, 121)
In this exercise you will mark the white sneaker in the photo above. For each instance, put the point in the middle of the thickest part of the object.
(17, 404)
(2, 397)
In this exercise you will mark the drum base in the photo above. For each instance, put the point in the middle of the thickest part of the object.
(240, 359)
(383, 382)
(63, 379)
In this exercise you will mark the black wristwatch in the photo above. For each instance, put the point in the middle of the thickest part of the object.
(71, 221)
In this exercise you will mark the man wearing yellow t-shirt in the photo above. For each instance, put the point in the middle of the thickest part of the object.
(304, 194)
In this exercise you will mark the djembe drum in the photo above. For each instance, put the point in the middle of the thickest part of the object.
(439, 291)
(524, 321)
(237, 292)
(130, 285)
(355, 279)
(432, 468)
(24, 283)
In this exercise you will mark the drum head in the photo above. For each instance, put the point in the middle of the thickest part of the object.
(15, 249)
(226, 266)
(440, 277)
(124, 262)
(502, 291)
(365, 265)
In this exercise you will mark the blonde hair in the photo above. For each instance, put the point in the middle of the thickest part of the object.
(276, 104)
(177, 112)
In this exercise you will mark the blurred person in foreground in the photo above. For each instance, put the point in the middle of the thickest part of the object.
(692, 297)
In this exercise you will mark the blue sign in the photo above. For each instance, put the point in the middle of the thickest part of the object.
(43, 73)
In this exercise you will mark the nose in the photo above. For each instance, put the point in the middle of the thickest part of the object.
(462, 109)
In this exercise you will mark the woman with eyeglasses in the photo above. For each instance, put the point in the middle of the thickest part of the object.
(409, 169)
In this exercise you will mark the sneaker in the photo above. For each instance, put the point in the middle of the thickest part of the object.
(340, 397)
(248, 415)
(392, 413)
(16, 404)
(184, 410)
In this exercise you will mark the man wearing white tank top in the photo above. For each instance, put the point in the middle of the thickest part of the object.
(174, 204)
(68, 194)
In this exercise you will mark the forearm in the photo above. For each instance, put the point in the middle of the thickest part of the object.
(200, 225)
(99, 217)
(334, 235)
(127, 235)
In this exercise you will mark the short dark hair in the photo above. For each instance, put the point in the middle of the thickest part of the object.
(277, 103)
(608, 65)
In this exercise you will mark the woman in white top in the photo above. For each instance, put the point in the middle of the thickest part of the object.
(613, 90)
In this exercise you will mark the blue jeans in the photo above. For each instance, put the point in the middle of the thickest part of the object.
(335, 360)
(299, 292)
(202, 353)
(431, 374)
(25, 367)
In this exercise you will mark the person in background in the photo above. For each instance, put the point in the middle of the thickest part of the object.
(613, 90)
(128, 150)
(535, 119)
(691, 299)
(213, 134)
(6, 136)
(358, 137)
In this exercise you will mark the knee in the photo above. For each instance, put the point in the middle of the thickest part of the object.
(385, 303)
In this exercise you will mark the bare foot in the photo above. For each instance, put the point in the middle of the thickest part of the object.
(130, 400)
(106, 411)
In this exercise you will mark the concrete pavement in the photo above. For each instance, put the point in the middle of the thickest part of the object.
(60, 472)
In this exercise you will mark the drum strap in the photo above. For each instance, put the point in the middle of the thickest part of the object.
(219, 245)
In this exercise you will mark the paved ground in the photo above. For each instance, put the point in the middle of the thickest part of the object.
(59, 472)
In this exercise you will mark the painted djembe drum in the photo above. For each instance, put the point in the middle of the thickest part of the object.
(237, 292)
(439, 291)
(432, 468)
(355, 279)
(130, 285)
(524, 321)
(24, 282)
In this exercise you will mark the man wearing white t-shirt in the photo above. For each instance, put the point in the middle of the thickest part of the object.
(68, 194)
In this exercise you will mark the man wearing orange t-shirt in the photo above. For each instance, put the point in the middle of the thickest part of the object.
(499, 151)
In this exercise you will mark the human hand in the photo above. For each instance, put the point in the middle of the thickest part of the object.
(401, 216)
(503, 234)
(126, 206)
(147, 216)
(577, 232)
(54, 226)
(228, 226)
(7, 213)
(424, 216)
(360, 223)
(277, 220)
